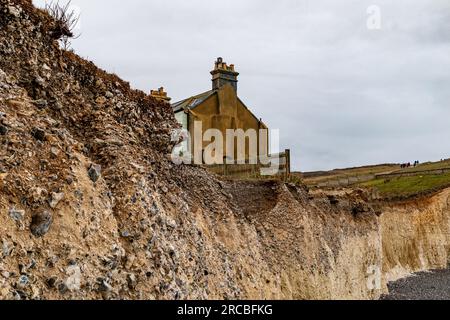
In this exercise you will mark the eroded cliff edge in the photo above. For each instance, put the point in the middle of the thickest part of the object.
(91, 207)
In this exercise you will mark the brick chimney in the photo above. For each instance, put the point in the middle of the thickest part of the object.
(223, 74)
(160, 95)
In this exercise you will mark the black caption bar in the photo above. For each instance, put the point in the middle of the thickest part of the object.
(147, 310)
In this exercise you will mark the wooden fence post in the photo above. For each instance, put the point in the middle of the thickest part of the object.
(288, 164)
(225, 172)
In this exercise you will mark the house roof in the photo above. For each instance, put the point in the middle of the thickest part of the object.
(192, 102)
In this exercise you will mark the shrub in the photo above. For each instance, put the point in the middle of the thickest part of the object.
(65, 22)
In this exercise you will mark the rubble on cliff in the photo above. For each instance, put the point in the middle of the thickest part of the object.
(86, 191)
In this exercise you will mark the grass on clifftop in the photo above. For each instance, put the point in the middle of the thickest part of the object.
(404, 187)
(430, 166)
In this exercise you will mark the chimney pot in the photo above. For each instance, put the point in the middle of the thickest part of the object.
(160, 95)
(224, 74)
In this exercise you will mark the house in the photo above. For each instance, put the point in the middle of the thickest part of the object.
(221, 108)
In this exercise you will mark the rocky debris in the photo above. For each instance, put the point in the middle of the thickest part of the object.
(109, 95)
(69, 180)
(41, 103)
(103, 285)
(22, 282)
(361, 207)
(432, 285)
(333, 200)
(40, 223)
(56, 198)
(37, 195)
(13, 10)
(51, 282)
(16, 215)
(94, 172)
(62, 288)
(3, 130)
(38, 134)
(55, 152)
(131, 281)
(73, 282)
(7, 249)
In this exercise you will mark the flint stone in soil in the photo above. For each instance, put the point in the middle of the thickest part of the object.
(51, 282)
(41, 103)
(94, 172)
(359, 208)
(54, 151)
(3, 130)
(73, 282)
(40, 223)
(62, 288)
(333, 200)
(23, 281)
(6, 248)
(40, 81)
(56, 198)
(38, 134)
(131, 281)
(69, 180)
(125, 234)
(16, 215)
(14, 11)
(103, 285)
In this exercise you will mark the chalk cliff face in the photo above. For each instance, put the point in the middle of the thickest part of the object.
(416, 235)
(91, 207)
(344, 246)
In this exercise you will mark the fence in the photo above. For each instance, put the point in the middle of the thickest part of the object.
(343, 181)
(280, 164)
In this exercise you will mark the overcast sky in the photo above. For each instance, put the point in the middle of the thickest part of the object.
(342, 94)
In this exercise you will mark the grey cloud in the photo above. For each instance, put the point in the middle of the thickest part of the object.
(341, 94)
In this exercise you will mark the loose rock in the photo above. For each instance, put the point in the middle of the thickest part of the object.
(16, 215)
(23, 281)
(56, 198)
(109, 94)
(38, 134)
(41, 223)
(3, 130)
(94, 172)
(73, 282)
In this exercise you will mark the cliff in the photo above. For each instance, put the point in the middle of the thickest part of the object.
(91, 207)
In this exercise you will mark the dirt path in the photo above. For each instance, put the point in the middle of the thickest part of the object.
(433, 285)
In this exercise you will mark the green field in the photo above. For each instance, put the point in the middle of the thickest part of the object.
(389, 187)
(314, 178)
(405, 187)
(429, 166)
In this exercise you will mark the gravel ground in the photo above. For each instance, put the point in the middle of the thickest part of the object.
(433, 285)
